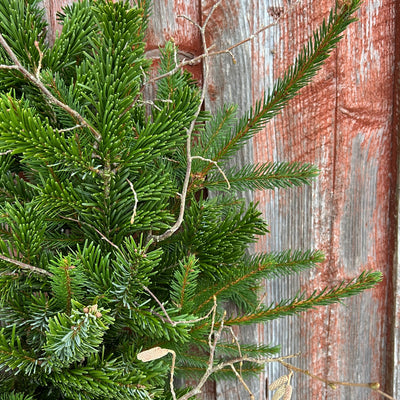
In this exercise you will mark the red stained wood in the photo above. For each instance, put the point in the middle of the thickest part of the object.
(344, 123)
(168, 23)
(52, 7)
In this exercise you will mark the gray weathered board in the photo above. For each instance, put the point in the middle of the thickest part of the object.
(347, 123)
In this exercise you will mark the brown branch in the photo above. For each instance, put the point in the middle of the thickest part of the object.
(169, 232)
(35, 80)
(25, 266)
(91, 226)
(375, 386)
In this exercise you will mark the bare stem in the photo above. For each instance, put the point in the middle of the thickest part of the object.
(136, 202)
(169, 232)
(91, 226)
(25, 266)
(216, 164)
(146, 289)
(333, 384)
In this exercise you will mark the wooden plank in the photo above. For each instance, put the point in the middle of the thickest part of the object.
(394, 294)
(342, 123)
(231, 83)
(51, 8)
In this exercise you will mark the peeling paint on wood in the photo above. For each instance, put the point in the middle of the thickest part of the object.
(343, 123)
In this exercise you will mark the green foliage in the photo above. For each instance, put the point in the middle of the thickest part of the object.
(87, 189)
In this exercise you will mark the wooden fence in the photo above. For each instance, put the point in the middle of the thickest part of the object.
(346, 122)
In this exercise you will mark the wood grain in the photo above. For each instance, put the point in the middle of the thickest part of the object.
(51, 8)
(393, 349)
(343, 123)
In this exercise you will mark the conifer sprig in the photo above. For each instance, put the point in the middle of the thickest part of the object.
(263, 176)
(305, 67)
(302, 302)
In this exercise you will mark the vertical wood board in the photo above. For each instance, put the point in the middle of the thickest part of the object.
(394, 338)
(343, 123)
(51, 8)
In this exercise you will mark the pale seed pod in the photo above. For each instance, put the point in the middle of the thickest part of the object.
(152, 354)
(279, 393)
(93, 308)
(288, 392)
(98, 314)
(278, 382)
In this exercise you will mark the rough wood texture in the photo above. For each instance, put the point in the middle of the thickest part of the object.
(52, 7)
(229, 83)
(344, 123)
(394, 342)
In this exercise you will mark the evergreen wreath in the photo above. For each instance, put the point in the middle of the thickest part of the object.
(113, 256)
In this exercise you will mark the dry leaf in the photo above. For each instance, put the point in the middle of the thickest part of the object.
(152, 354)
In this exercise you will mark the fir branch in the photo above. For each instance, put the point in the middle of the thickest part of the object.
(33, 79)
(297, 76)
(254, 268)
(301, 303)
(169, 232)
(270, 175)
(184, 284)
(13, 357)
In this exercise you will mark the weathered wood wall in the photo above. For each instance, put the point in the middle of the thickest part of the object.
(344, 122)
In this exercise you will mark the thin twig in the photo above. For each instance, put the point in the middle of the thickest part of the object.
(216, 164)
(258, 31)
(146, 289)
(169, 232)
(6, 152)
(25, 266)
(33, 79)
(70, 129)
(136, 202)
(228, 50)
(39, 67)
(91, 226)
(333, 384)
(171, 378)
(190, 20)
(236, 340)
(3, 66)
(241, 380)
